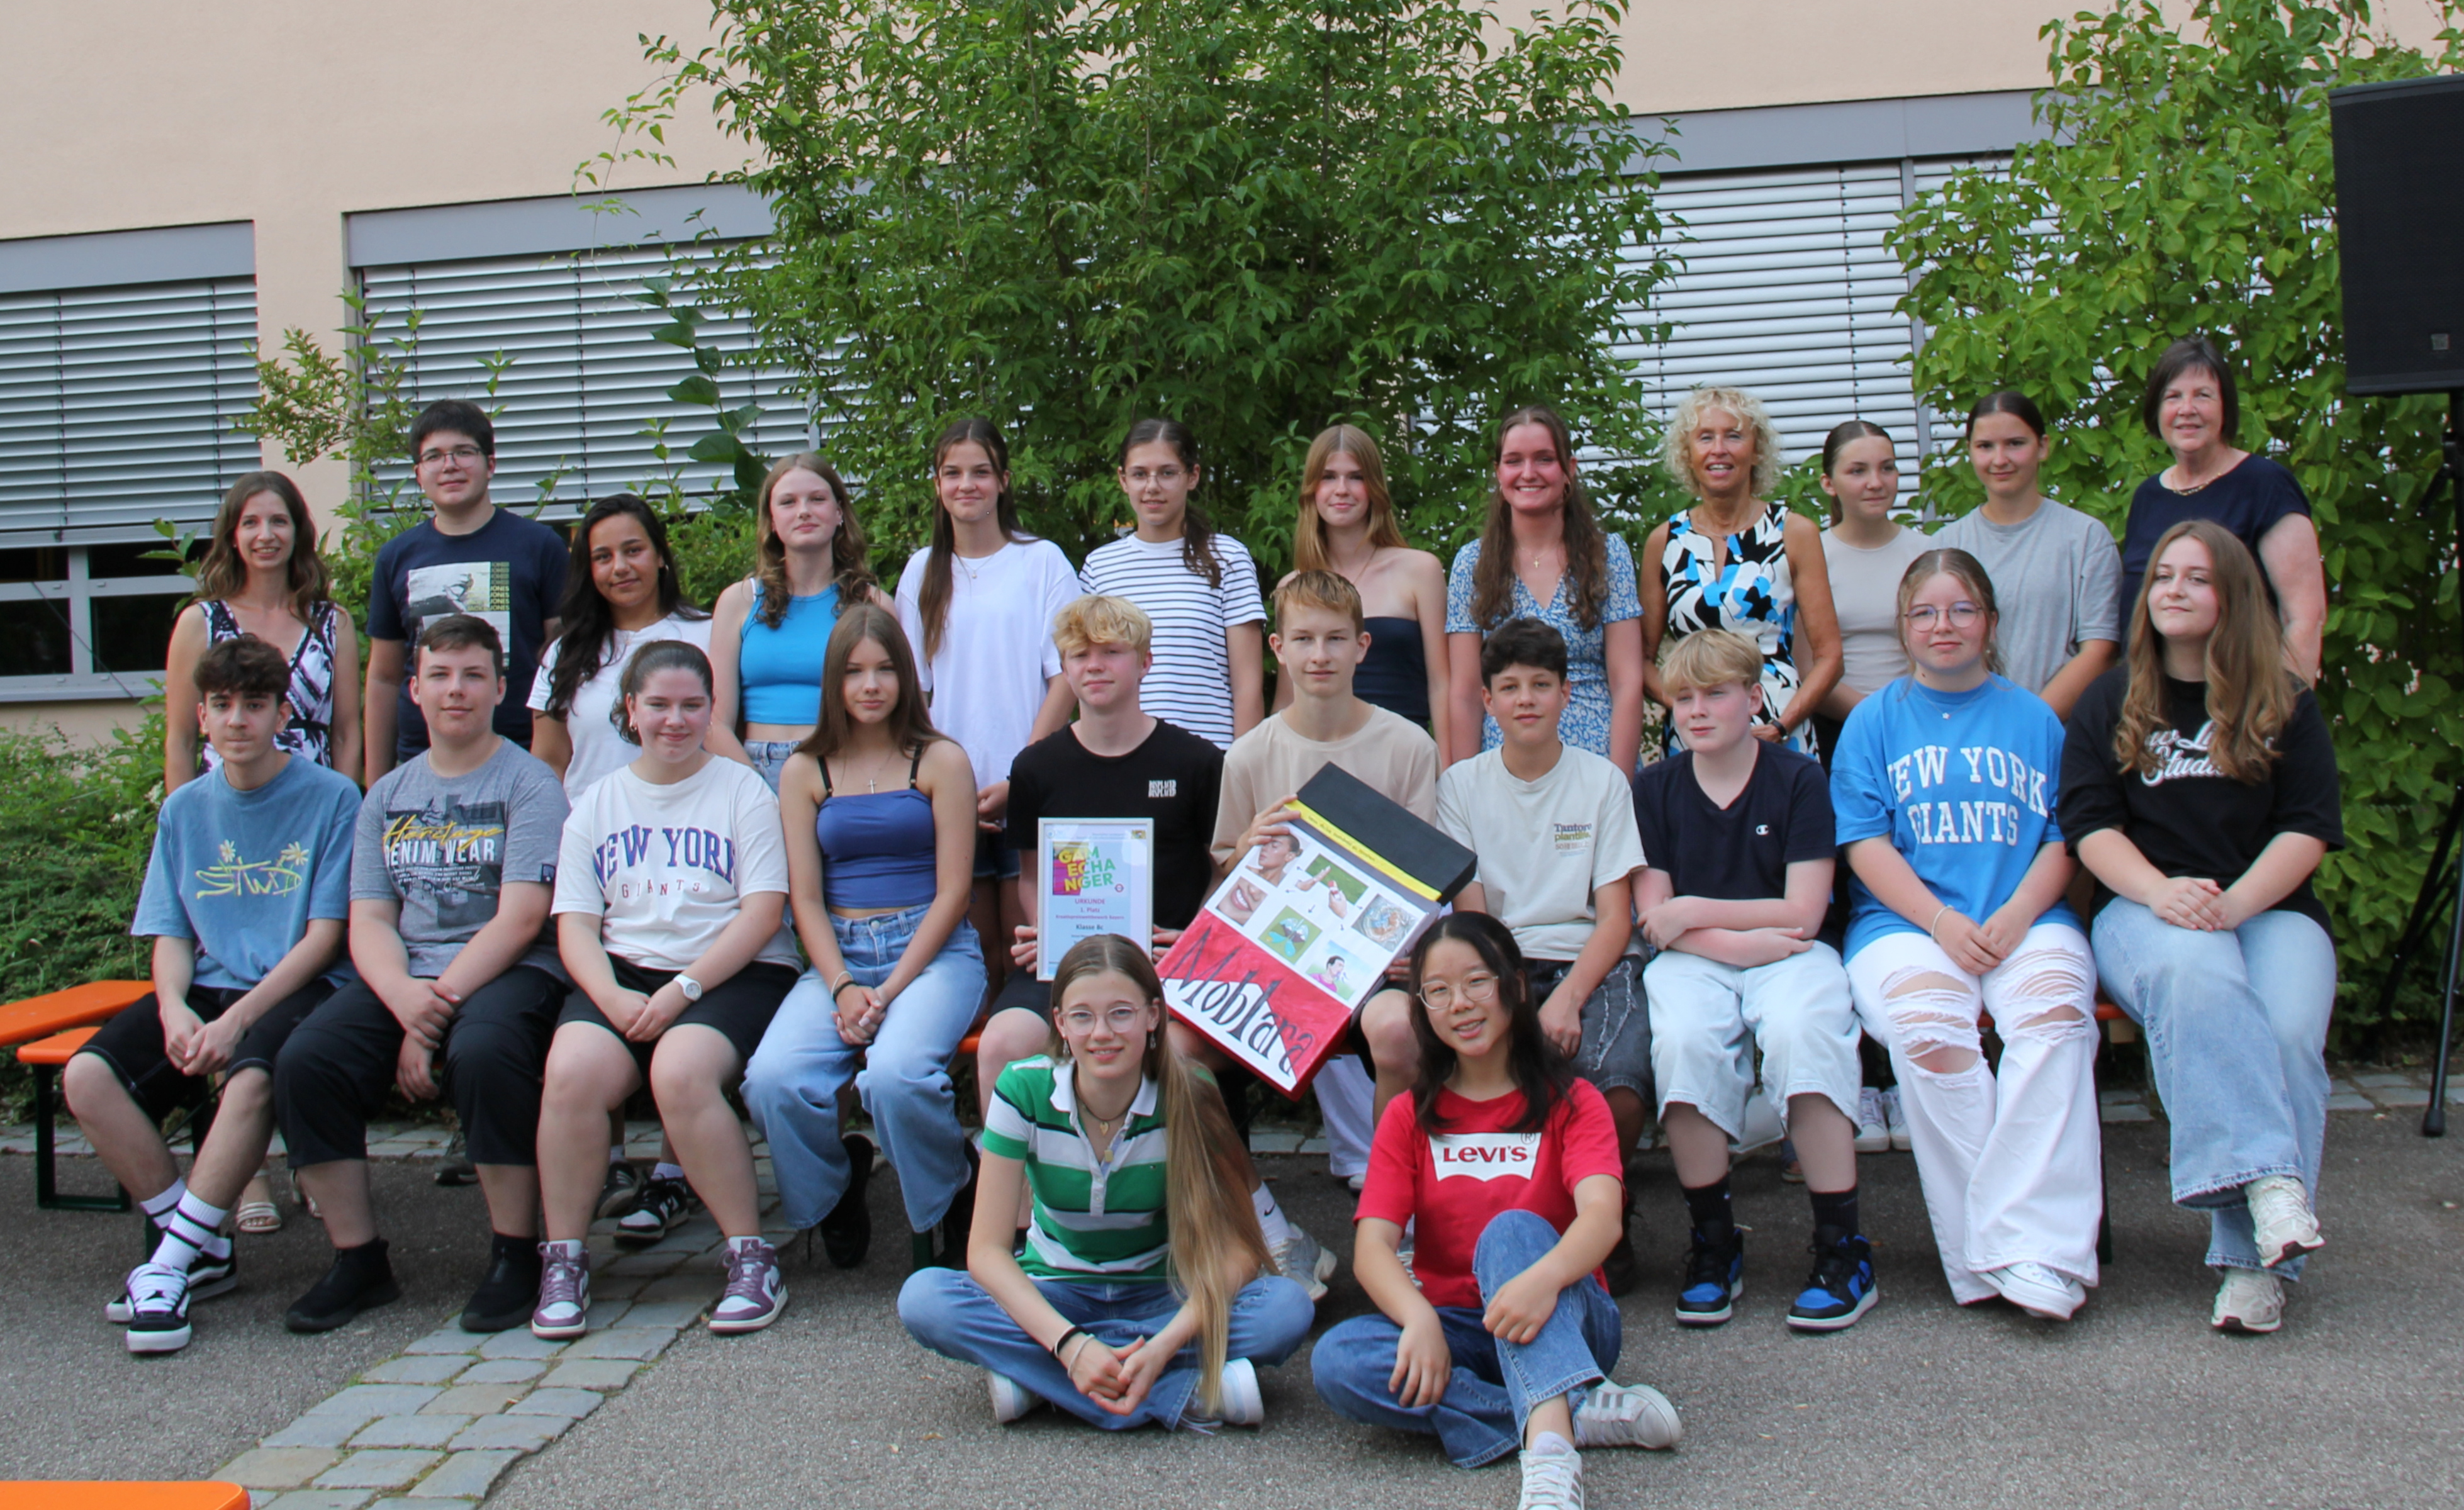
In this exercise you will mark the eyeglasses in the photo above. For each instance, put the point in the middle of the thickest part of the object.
(464, 454)
(1478, 989)
(1080, 1022)
(1924, 617)
(1166, 477)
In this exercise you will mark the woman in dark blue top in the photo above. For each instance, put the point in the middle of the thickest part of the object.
(880, 815)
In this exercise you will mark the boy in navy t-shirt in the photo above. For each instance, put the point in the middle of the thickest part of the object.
(1738, 853)
(246, 897)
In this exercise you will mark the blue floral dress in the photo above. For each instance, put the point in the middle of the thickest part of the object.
(1586, 724)
(1752, 593)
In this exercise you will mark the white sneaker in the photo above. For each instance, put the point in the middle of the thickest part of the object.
(1627, 1415)
(564, 1307)
(1873, 1133)
(2249, 1302)
(1300, 1258)
(1011, 1399)
(2037, 1290)
(1551, 1480)
(1243, 1403)
(1896, 1120)
(2279, 1218)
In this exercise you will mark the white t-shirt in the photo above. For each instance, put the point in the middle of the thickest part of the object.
(1544, 845)
(597, 746)
(997, 651)
(664, 867)
(1191, 683)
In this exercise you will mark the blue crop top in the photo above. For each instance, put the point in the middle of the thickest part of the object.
(876, 850)
(780, 670)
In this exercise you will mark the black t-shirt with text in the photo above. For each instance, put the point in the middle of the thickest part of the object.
(1172, 778)
(1741, 852)
(2185, 817)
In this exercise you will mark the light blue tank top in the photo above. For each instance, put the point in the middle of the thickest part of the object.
(780, 670)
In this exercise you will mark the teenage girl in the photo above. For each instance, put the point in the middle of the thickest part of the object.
(1500, 1336)
(620, 592)
(1199, 588)
(1866, 551)
(880, 816)
(1137, 1295)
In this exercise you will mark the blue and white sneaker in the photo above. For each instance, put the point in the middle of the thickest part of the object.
(1841, 1287)
(1715, 1275)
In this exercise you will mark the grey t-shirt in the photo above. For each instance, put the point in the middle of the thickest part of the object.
(444, 848)
(2056, 574)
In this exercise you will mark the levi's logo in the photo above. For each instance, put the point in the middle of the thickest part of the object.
(1485, 1156)
(1168, 787)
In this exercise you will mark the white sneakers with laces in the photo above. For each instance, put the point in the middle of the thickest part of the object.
(1553, 1475)
(1873, 1131)
(2249, 1302)
(2280, 1218)
(2037, 1290)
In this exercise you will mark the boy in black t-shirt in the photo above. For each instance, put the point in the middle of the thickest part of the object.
(1738, 850)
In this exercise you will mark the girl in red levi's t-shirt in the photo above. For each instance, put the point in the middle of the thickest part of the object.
(1509, 1169)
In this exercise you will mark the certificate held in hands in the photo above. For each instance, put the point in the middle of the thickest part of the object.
(1093, 875)
(1302, 930)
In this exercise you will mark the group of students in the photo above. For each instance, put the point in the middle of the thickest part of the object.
(681, 885)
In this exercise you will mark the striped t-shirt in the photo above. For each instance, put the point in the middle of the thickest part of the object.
(1191, 683)
(1089, 1219)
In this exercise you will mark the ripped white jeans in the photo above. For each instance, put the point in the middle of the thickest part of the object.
(2008, 1160)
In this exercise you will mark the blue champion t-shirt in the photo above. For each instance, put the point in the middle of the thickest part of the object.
(1965, 784)
(243, 873)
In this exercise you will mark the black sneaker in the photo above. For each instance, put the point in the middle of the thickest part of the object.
(847, 1231)
(1841, 1287)
(1715, 1275)
(361, 1279)
(158, 1298)
(505, 1297)
(623, 1191)
(457, 1167)
(208, 1278)
(662, 1207)
(1621, 1267)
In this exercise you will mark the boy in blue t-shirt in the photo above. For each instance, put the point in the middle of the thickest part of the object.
(246, 898)
(1738, 854)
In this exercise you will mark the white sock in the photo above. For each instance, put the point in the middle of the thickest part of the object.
(159, 1207)
(666, 1171)
(192, 1229)
(562, 1248)
(1270, 1217)
(1552, 1445)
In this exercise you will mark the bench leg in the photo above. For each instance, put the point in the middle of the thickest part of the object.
(47, 1193)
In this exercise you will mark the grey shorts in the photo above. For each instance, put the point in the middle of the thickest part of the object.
(1616, 1030)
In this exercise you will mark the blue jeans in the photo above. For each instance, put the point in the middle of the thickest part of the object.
(1495, 1385)
(2237, 1032)
(769, 757)
(950, 1313)
(792, 1083)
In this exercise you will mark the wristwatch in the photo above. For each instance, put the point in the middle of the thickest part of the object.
(691, 987)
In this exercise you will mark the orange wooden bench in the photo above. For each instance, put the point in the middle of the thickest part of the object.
(25, 1494)
(52, 1027)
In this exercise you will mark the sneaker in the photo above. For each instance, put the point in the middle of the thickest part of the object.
(1241, 1402)
(361, 1279)
(1357, 1182)
(662, 1207)
(1841, 1287)
(2037, 1290)
(1300, 1258)
(2250, 1300)
(621, 1192)
(1715, 1275)
(1896, 1120)
(755, 1293)
(158, 1298)
(1790, 1169)
(457, 1167)
(504, 1297)
(208, 1278)
(1627, 1415)
(1873, 1129)
(2279, 1218)
(1551, 1480)
(563, 1309)
(847, 1231)
(1011, 1399)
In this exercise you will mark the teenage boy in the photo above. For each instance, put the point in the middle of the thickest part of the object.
(245, 898)
(458, 990)
(1553, 828)
(1737, 835)
(1319, 642)
(469, 557)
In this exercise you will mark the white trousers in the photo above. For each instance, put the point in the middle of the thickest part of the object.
(2008, 1160)
(1345, 1099)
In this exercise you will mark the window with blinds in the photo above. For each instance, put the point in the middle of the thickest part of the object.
(587, 384)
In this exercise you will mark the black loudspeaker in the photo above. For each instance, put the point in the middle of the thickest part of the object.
(2400, 217)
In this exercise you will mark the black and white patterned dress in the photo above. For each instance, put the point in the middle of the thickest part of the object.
(310, 730)
(1750, 593)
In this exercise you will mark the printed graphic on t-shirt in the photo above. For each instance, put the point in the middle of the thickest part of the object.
(1969, 822)
(1571, 839)
(683, 849)
(1169, 786)
(456, 858)
(231, 875)
(1484, 1155)
(481, 589)
(2180, 755)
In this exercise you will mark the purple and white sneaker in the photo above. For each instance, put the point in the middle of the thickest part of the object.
(564, 1307)
(755, 1293)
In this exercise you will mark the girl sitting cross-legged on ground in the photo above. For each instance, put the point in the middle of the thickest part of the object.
(1508, 1166)
(1139, 1297)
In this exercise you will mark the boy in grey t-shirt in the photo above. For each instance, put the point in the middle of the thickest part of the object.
(452, 875)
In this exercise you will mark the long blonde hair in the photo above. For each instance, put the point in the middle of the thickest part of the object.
(850, 568)
(2251, 695)
(1309, 533)
(1214, 1229)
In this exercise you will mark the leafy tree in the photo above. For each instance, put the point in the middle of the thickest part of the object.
(1257, 218)
(2187, 186)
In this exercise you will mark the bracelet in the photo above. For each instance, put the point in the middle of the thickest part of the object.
(1062, 1341)
(1937, 922)
(845, 979)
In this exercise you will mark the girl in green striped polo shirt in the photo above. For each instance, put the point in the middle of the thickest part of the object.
(1140, 1297)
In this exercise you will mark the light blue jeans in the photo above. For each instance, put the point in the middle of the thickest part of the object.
(946, 1311)
(792, 1085)
(769, 758)
(1489, 1400)
(2237, 1032)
